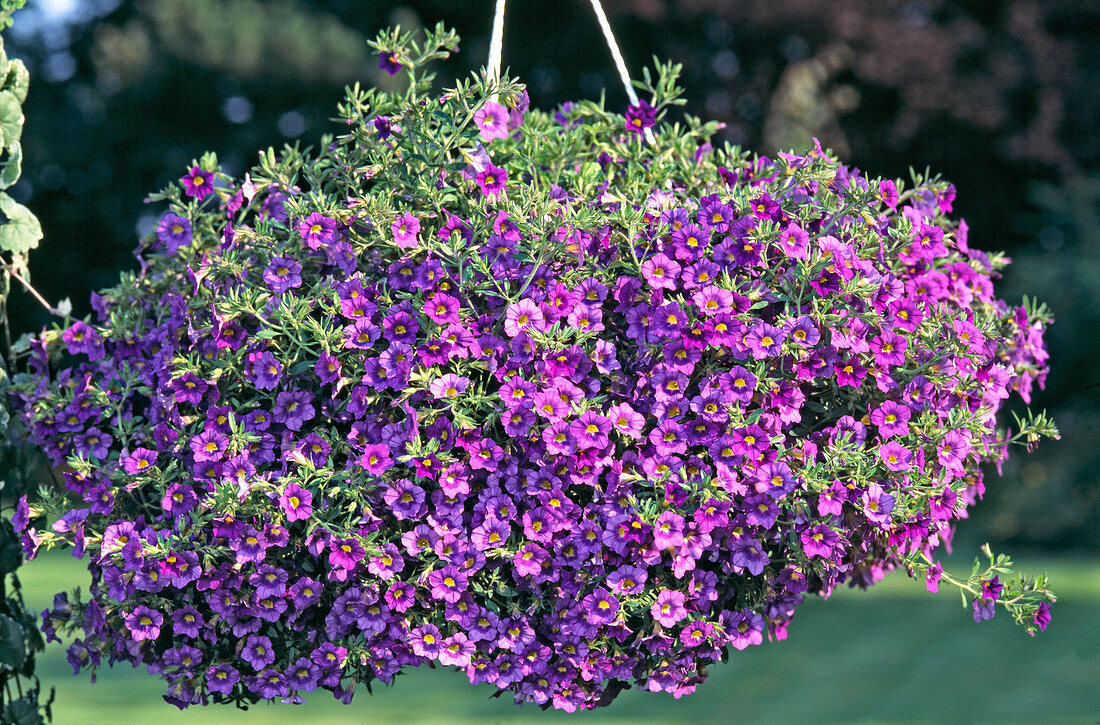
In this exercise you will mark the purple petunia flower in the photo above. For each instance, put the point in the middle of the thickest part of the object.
(222, 678)
(293, 409)
(302, 675)
(745, 629)
(601, 607)
(819, 541)
(521, 316)
(283, 274)
(80, 338)
(187, 622)
(144, 623)
(174, 232)
(405, 499)
(389, 62)
(447, 584)
(590, 430)
(877, 504)
(258, 651)
(749, 554)
(179, 499)
(1041, 617)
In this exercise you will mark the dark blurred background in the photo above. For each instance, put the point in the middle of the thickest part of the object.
(1000, 97)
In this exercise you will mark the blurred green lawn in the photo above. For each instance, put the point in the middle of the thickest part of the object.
(893, 654)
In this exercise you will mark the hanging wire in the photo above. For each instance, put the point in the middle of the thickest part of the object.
(620, 64)
(496, 43)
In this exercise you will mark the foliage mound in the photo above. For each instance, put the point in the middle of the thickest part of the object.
(539, 396)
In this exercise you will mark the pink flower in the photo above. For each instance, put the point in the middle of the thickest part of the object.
(405, 230)
(448, 386)
(492, 121)
(523, 315)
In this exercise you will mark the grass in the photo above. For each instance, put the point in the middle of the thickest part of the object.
(893, 654)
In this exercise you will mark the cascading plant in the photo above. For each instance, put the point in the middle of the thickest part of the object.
(521, 393)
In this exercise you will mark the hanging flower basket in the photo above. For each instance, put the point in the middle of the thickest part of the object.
(570, 401)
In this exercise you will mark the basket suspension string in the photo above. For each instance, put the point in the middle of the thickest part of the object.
(495, 44)
(617, 55)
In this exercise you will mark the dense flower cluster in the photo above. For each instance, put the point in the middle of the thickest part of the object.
(518, 393)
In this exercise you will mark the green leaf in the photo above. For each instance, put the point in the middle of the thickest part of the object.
(23, 711)
(21, 231)
(13, 649)
(12, 166)
(17, 80)
(11, 118)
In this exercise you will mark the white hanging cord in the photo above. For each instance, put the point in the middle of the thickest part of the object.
(496, 43)
(620, 64)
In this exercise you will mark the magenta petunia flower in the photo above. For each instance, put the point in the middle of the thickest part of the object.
(891, 419)
(795, 241)
(317, 230)
(197, 183)
(442, 308)
(375, 459)
(660, 271)
(668, 530)
(888, 193)
(895, 456)
(492, 180)
(345, 553)
(640, 117)
(296, 502)
(139, 460)
(669, 607)
(819, 541)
